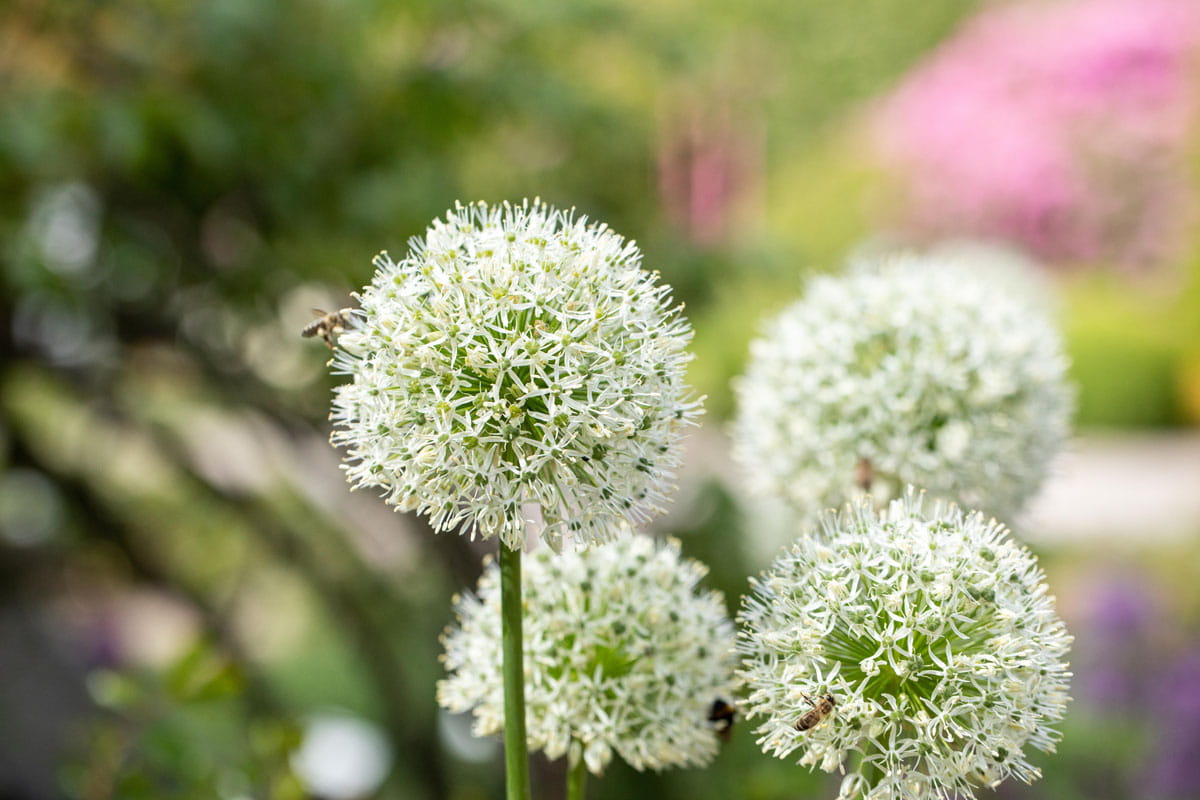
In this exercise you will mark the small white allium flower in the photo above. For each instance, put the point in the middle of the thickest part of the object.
(912, 370)
(516, 355)
(623, 652)
(940, 645)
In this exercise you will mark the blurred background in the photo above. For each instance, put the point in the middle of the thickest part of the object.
(192, 603)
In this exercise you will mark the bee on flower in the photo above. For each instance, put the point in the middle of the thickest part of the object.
(516, 355)
(939, 371)
(912, 695)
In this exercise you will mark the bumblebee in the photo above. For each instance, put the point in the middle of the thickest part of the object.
(721, 715)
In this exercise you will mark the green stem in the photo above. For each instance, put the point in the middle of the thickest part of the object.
(576, 779)
(516, 753)
(869, 771)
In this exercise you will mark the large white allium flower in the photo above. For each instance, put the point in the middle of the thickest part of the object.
(910, 370)
(934, 634)
(516, 355)
(623, 652)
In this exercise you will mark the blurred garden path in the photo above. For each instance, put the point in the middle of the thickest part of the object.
(1120, 489)
(1126, 488)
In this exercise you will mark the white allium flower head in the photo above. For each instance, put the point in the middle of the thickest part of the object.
(623, 652)
(934, 632)
(516, 355)
(908, 370)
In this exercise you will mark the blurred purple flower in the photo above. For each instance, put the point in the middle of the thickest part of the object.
(100, 642)
(1116, 634)
(1174, 770)
(1058, 126)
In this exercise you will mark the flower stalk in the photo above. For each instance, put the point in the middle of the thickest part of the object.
(521, 356)
(576, 779)
(516, 752)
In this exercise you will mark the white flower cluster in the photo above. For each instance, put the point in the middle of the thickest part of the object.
(516, 355)
(622, 653)
(908, 371)
(934, 633)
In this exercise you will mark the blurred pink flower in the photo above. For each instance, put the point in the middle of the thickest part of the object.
(708, 161)
(1059, 126)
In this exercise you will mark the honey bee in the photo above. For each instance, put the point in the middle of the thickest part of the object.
(821, 709)
(722, 715)
(328, 325)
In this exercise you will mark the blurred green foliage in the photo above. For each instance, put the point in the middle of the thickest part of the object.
(181, 181)
(182, 734)
(1131, 352)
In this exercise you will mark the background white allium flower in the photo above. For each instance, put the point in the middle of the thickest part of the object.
(908, 370)
(516, 355)
(623, 652)
(934, 632)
